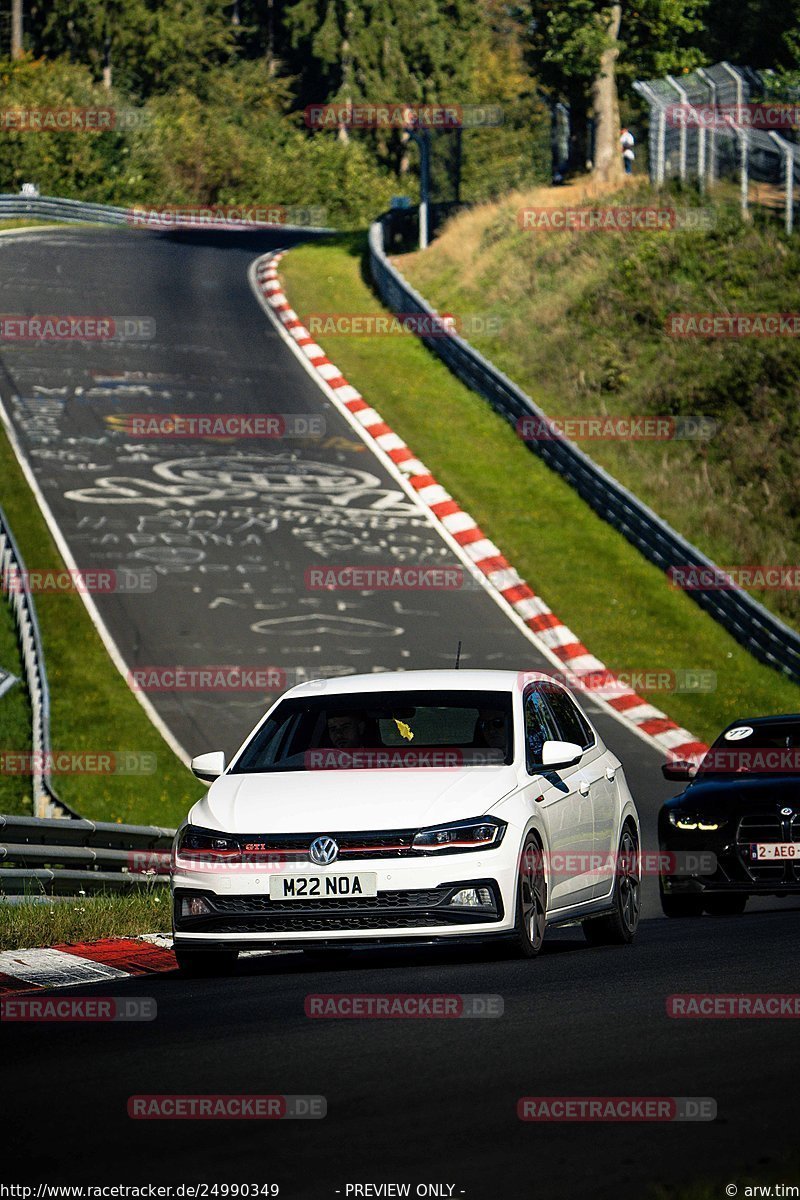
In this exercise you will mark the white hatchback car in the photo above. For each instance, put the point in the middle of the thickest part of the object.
(416, 806)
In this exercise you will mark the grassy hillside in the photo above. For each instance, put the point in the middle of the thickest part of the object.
(614, 600)
(583, 332)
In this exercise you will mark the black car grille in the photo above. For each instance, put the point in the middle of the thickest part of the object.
(293, 847)
(764, 827)
(416, 908)
(386, 900)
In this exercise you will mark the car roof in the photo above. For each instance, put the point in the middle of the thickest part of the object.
(774, 719)
(404, 681)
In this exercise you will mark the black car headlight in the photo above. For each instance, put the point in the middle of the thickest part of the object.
(483, 833)
(694, 823)
(196, 848)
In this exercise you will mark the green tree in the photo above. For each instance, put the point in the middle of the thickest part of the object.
(570, 42)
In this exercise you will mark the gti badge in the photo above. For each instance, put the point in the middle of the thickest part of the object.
(323, 851)
(786, 812)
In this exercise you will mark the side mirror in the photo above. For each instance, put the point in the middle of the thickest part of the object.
(560, 754)
(679, 771)
(209, 767)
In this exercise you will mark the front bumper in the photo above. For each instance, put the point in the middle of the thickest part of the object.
(736, 872)
(411, 905)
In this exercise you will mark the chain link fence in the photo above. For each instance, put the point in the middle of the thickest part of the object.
(725, 123)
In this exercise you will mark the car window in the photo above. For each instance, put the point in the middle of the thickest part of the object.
(572, 725)
(383, 730)
(540, 727)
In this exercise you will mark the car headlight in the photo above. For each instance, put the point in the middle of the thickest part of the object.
(692, 823)
(196, 848)
(481, 834)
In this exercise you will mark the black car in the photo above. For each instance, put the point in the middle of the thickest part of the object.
(741, 813)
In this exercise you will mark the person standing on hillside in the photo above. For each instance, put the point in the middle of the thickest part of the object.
(626, 143)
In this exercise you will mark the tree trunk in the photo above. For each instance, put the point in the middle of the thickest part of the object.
(16, 29)
(607, 154)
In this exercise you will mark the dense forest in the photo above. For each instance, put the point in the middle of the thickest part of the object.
(221, 88)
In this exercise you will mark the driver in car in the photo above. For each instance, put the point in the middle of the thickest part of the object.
(346, 730)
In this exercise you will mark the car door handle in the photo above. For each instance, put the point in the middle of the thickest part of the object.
(583, 787)
(611, 774)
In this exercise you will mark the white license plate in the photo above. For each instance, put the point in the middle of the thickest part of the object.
(323, 887)
(776, 851)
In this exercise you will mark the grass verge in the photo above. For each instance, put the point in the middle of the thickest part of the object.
(93, 709)
(581, 323)
(615, 601)
(84, 919)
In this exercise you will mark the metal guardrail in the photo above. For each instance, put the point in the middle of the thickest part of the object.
(765, 636)
(54, 208)
(46, 802)
(65, 857)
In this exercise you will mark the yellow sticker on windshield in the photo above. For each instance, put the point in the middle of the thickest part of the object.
(404, 730)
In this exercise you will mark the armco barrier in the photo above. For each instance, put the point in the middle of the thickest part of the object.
(45, 800)
(764, 635)
(65, 857)
(54, 208)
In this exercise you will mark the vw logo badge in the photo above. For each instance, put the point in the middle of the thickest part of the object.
(323, 851)
(786, 812)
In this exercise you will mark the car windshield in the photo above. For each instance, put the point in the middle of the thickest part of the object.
(770, 749)
(380, 730)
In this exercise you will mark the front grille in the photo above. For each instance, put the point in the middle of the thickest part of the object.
(293, 847)
(386, 900)
(413, 908)
(765, 827)
(309, 924)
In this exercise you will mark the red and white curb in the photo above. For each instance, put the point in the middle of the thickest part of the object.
(76, 963)
(550, 635)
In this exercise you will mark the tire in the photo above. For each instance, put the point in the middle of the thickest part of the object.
(203, 964)
(725, 906)
(531, 900)
(680, 906)
(619, 927)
